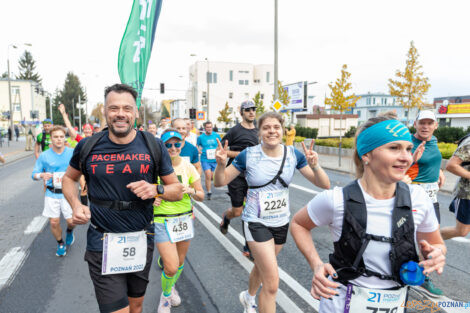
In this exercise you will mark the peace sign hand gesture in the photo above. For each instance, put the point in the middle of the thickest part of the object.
(221, 153)
(310, 155)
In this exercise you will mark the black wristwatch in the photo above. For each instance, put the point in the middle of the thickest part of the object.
(160, 189)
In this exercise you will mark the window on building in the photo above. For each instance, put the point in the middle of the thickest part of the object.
(17, 108)
(15, 95)
(246, 82)
(267, 77)
(385, 102)
(256, 81)
(241, 82)
(359, 113)
(211, 78)
(214, 78)
(262, 96)
(394, 101)
(204, 94)
(230, 95)
(230, 75)
(373, 100)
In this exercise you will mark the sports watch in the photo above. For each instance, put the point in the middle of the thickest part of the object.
(160, 189)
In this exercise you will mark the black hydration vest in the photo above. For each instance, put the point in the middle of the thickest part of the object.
(348, 250)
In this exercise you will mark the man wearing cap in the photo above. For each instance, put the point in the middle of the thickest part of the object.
(188, 151)
(44, 139)
(207, 145)
(239, 137)
(427, 172)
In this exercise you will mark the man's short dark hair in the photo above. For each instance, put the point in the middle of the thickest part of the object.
(207, 123)
(120, 88)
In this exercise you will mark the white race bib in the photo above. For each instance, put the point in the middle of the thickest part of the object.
(365, 300)
(57, 179)
(180, 228)
(210, 153)
(431, 189)
(273, 203)
(124, 252)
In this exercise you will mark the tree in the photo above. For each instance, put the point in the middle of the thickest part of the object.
(4, 74)
(411, 85)
(26, 67)
(224, 115)
(145, 113)
(259, 104)
(97, 114)
(339, 100)
(70, 95)
(284, 99)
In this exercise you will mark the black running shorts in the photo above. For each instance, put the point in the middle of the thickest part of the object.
(112, 291)
(261, 233)
(437, 211)
(237, 190)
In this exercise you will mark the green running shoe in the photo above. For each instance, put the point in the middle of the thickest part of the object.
(429, 288)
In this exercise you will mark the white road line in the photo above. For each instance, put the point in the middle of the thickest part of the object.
(291, 282)
(461, 239)
(282, 299)
(303, 188)
(36, 225)
(9, 264)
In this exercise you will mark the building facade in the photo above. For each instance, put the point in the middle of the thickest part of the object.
(212, 84)
(372, 104)
(453, 111)
(328, 125)
(25, 100)
(179, 109)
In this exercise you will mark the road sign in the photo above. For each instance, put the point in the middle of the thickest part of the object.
(201, 115)
(277, 105)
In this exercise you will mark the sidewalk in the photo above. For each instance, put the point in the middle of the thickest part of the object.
(15, 150)
(330, 162)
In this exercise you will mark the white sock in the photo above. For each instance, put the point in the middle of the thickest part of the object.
(249, 298)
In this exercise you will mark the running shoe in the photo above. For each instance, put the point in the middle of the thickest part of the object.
(69, 238)
(224, 225)
(165, 304)
(429, 288)
(61, 250)
(249, 306)
(160, 263)
(175, 298)
(209, 194)
(246, 252)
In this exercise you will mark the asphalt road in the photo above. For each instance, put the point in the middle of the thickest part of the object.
(35, 280)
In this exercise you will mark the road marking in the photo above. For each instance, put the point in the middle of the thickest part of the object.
(282, 299)
(36, 225)
(303, 188)
(461, 239)
(291, 282)
(9, 264)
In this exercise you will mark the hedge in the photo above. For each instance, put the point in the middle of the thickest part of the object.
(296, 139)
(306, 131)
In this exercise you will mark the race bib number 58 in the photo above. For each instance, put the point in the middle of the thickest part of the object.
(124, 252)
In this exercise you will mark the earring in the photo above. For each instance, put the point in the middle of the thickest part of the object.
(366, 163)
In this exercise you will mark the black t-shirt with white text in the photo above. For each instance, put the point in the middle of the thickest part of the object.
(110, 167)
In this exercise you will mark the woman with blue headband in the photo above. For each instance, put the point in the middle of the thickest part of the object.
(174, 221)
(377, 223)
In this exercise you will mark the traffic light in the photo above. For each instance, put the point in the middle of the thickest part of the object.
(192, 114)
(162, 88)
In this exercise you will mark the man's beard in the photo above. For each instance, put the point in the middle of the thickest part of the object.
(119, 134)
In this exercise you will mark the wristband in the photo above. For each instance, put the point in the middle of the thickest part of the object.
(316, 167)
(37, 176)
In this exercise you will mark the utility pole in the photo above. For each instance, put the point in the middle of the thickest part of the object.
(207, 95)
(276, 92)
(12, 128)
(79, 114)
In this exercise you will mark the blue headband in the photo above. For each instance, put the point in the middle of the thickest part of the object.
(380, 134)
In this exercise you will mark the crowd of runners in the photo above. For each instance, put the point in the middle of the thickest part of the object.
(135, 189)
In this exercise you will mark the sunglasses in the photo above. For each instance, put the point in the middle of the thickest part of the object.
(249, 109)
(176, 145)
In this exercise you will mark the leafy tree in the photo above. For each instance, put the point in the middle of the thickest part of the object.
(144, 112)
(339, 99)
(4, 74)
(411, 85)
(164, 113)
(224, 115)
(259, 104)
(284, 99)
(26, 67)
(70, 95)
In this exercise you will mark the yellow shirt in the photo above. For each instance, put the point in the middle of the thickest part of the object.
(290, 137)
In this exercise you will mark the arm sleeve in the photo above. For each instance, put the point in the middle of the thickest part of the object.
(38, 166)
(321, 208)
(165, 167)
(75, 160)
(463, 153)
(240, 161)
(301, 160)
(429, 223)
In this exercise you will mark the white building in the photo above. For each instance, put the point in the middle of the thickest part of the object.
(179, 109)
(372, 104)
(25, 99)
(221, 82)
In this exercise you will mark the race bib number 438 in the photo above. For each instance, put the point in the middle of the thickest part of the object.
(124, 252)
(180, 228)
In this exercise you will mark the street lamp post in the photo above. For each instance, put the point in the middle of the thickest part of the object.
(207, 95)
(12, 127)
(276, 91)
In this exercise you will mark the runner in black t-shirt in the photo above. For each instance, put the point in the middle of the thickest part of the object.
(242, 135)
(120, 171)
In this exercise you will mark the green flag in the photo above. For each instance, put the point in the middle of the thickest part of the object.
(137, 42)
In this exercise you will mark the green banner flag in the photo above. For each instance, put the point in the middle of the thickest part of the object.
(137, 42)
